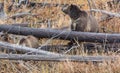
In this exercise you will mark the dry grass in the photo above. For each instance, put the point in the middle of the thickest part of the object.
(58, 21)
(58, 67)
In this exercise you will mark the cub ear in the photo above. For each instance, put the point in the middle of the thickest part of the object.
(72, 5)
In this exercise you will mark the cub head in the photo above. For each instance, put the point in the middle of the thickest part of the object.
(4, 36)
(72, 10)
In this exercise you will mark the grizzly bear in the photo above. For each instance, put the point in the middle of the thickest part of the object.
(81, 20)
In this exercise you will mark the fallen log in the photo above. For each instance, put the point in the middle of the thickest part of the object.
(75, 58)
(18, 24)
(45, 55)
(15, 47)
(64, 35)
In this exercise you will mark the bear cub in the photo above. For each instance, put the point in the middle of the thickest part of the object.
(81, 20)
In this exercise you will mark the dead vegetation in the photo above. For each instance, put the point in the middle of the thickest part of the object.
(52, 17)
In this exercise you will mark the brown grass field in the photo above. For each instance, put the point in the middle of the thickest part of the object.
(58, 20)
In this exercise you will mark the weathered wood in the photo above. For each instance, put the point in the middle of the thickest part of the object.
(18, 24)
(45, 55)
(43, 4)
(46, 4)
(76, 58)
(106, 12)
(15, 47)
(2, 12)
(23, 14)
(32, 4)
(65, 35)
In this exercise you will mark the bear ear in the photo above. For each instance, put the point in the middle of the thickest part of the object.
(72, 5)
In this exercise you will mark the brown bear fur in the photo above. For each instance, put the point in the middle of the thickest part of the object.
(29, 41)
(81, 21)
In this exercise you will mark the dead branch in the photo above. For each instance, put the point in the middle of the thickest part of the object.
(46, 56)
(60, 34)
(106, 12)
(57, 58)
(17, 15)
(90, 7)
(15, 47)
(22, 24)
(32, 4)
(2, 12)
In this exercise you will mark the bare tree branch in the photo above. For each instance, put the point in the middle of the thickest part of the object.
(106, 12)
(90, 6)
(17, 15)
(57, 58)
(14, 47)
